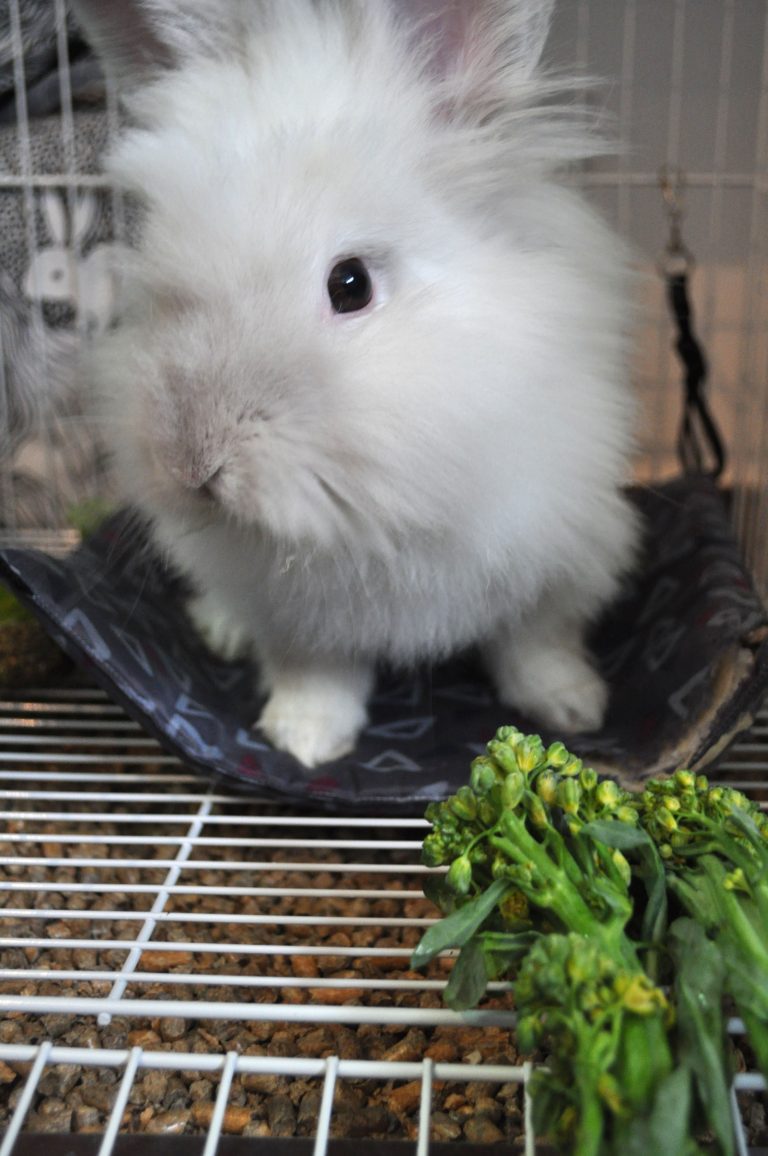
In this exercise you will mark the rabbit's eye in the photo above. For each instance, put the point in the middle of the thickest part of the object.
(350, 287)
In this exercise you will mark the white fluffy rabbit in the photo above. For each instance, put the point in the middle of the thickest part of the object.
(369, 389)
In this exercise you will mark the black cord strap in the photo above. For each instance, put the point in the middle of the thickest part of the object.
(698, 437)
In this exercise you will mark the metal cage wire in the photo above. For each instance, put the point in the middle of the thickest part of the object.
(690, 90)
(146, 939)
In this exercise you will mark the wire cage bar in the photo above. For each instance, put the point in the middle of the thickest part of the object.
(131, 902)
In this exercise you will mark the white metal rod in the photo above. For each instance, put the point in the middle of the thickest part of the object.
(61, 707)
(425, 1109)
(25, 1100)
(179, 820)
(749, 1082)
(204, 840)
(85, 759)
(530, 1139)
(326, 1106)
(26, 740)
(225, 979)
(37, 776)
(206, 917)
(738, 1133)
(121, 1100)
(297, 1066)
(217, 1119)
(118, 726)
(212, 865)
(148, 929)
(293, 1013)
(203, 948)
(175, 889)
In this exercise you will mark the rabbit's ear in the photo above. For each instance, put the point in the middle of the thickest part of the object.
(55, 216)
(470, 41)
(85, 216)
(138, 38)
(126, 36)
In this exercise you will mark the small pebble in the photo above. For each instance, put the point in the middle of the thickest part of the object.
(481, 1130)
(144, 1038)
(56, 1024)
(306, 1116)
(11, 1031)
(7, 1075)
(98, 1096)
(256, 1128)
(487, 1106)
(55, 1121)
(200, 1090)
(172, 1123)
(281, 1116)
(319, 1042)
(172, 1028)
(154, 1086)
(404, 1098)
(86, 1117)
(164, 960)
(59, 1080)
(85, 959)
(267, 1085)
(235, 1119)
(442, 1052)
(410, 1049)
(442, 1127)
(304, 966)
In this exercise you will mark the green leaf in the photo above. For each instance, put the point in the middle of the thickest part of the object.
(468, 979)
(702, 1039)
(504, 949)
(651, 870)
(459, 927)
(436, 890)
(616, 834)
(667, 1127)
(744, 821)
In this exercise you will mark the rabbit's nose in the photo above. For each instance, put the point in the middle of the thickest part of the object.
(197, 477)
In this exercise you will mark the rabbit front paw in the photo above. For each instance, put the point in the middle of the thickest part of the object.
(557, 687)
(315, 717)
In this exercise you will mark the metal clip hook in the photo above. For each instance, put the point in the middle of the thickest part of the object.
(676, 260)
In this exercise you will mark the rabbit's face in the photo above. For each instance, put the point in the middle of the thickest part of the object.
(360, 310)
(302, 309)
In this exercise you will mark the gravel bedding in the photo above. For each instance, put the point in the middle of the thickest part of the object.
(74, 1099)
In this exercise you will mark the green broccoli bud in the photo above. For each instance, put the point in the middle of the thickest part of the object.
(459, 877)
(608, 794)
(512, 790)
(569, 796)
(530, 753)
(464, 804)
(483, 776)
(546, 787)
(556, 755)
(504, 756)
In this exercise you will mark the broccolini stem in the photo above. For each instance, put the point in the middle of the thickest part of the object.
(552, 891)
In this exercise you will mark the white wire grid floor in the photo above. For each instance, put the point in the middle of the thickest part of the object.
(155, 923)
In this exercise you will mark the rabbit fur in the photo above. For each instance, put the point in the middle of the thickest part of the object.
(438, 469)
